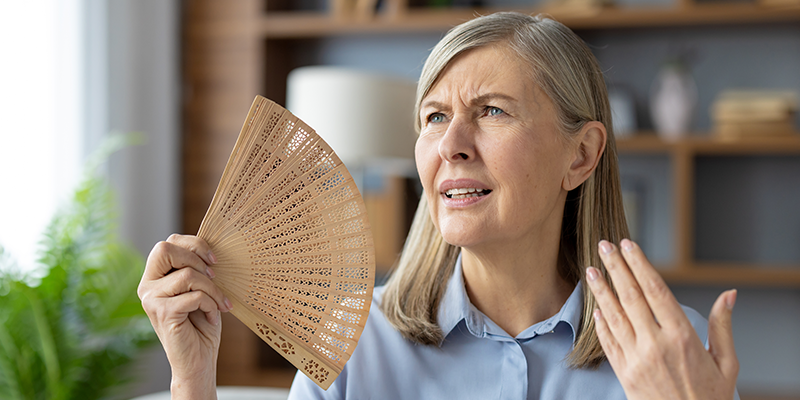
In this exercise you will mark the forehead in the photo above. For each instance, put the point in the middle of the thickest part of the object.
(486, 68)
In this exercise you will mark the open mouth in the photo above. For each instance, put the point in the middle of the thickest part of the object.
(465, 193)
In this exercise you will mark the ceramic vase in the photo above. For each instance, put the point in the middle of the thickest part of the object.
(673, 99)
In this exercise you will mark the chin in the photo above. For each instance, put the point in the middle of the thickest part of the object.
(458, 236)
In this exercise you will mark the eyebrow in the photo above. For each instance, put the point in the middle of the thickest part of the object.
(489, 96)
(478, 100)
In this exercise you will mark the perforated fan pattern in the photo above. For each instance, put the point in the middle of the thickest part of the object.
(293, 244)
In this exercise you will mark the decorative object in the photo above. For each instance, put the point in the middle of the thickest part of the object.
(739, 114)
(69, 329)
(293, 244)
(623, 112)
(673, 98)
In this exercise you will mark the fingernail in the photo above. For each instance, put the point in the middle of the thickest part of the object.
(210, 273)
(591, 273)
(626, 244)
(596, 314)
(228, 304)
(212, 257)
(730, 301)
(605, 247)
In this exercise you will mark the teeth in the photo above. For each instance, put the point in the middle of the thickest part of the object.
(463, 193)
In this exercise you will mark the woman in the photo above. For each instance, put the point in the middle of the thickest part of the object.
(492, 297)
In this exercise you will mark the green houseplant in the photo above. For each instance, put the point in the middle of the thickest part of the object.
(69, 333)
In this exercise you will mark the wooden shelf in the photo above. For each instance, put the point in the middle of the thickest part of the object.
(682, 154)
(737, 274)
(648, 142)
(289, 25)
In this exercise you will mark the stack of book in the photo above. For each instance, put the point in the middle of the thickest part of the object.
(754, 113)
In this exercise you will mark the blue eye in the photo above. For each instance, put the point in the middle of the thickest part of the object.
(494, 111)
(436, 117)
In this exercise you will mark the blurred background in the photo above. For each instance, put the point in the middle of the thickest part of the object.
(705, 108)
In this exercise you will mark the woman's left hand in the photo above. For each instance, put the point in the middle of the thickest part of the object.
(648, 339)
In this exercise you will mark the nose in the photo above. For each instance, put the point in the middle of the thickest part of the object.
(457, 144)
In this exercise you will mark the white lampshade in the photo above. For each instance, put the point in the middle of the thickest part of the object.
(361, 115)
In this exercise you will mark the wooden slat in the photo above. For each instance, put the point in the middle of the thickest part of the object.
(222, 74)
(310, 24)
(756, 146)
(643, 142)
(735, 274)
(705, 144)
(683, 205)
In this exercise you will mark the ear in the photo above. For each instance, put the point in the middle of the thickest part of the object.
(591, 142)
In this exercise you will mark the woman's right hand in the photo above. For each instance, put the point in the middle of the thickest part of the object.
(184, 306)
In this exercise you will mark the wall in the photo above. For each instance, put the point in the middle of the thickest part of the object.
(133, 80)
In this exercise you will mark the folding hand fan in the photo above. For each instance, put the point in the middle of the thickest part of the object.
(293, 244)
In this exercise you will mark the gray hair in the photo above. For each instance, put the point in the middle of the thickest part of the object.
(568, 73)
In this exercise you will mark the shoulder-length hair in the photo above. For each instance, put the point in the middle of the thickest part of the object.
(565, 69)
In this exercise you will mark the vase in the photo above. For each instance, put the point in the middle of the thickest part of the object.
(673, 98)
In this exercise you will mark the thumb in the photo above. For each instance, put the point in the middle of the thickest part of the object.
(720, 334)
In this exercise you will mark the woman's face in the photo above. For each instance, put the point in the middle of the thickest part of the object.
(489, 154)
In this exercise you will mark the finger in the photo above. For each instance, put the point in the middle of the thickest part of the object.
(196, 245)
(200, 320)
(720, 334)
(663, 304)
(628, 291)
(612, 312)
(187, 303)
(188, 280)
(167, 256)
(612, 349)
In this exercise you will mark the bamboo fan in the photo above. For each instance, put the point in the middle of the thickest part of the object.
(293, 244)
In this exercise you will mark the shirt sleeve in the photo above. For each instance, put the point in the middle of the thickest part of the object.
(304, 388)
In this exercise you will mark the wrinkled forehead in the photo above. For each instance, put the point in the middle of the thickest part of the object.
(481, 70)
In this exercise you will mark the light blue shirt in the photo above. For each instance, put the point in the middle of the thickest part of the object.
(477, 359)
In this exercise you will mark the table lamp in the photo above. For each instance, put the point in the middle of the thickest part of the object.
(361, 115)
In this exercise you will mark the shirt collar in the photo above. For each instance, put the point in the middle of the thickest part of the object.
(456, 307)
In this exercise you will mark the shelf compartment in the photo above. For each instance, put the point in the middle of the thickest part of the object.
(746, 208)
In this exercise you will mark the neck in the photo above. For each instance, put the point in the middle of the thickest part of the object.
(516, 285)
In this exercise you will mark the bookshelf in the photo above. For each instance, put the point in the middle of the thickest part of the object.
(686, 269)
(235, 50)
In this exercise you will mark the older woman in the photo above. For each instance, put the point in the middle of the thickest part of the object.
(492, 298)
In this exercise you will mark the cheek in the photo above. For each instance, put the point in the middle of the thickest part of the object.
(426, 157)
